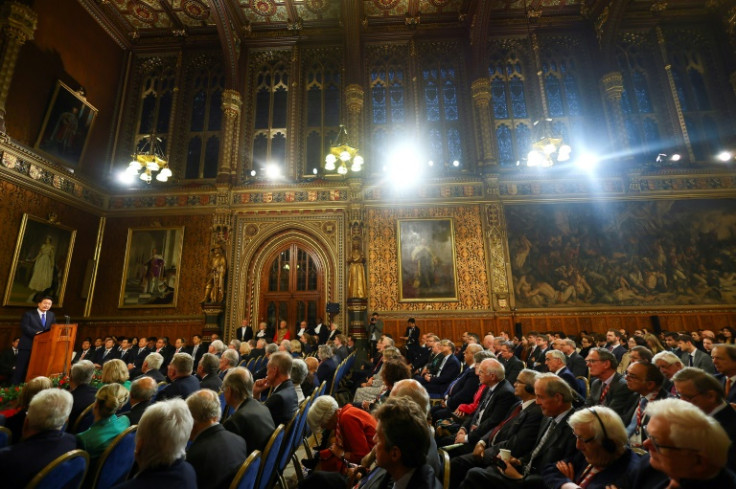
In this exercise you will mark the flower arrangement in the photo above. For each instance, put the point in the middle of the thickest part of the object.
(9, 395)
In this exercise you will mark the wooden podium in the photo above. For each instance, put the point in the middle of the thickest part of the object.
(52, 351)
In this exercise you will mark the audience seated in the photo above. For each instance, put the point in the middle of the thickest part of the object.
(463, 389)
(609, 387)
(183, 382)
(449, 368)
(43, 438)
(152, 365)
(160, 444)
(250, 419)
(646, 380)
(393, 371)
(724, 359)
(669, 364)
(228, 360)
(107, 424)
(207, 370)
(327, 365)
(511, 363)
(282, 402)
(142, 392)
(15, 422)
(116, 372)
(215, 453)
(373, 386)
(299, 372)
(82, 392)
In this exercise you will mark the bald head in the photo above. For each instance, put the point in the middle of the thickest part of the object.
(413, 390)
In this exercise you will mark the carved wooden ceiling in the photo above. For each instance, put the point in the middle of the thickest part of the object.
(143, 24)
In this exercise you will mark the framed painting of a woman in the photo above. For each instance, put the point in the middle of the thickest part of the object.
(41, 261)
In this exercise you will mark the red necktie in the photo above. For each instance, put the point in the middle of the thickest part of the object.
(604, 392)
(587, 476)
(728, 385)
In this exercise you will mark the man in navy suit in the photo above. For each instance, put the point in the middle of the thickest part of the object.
(511, 363)
(183, 382)
(43, 440)
(282, 403)
(613, 344)
(724, 359)
(556, 362)
(250, 419)
(31, 324)
(448, 370)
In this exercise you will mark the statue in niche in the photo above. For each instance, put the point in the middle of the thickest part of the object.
(356, 275)
(214, 290)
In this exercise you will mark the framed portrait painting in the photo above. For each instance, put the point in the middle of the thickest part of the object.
(66, 126)
(427, 270)
(41, 261)
(152, 266)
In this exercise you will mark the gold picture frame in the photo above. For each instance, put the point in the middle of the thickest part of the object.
(67, 125)
(152, 266)
(426, 253)
(43, 253)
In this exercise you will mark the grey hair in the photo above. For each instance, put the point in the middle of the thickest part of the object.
(495, 367)
(204, 405)
(611, 421)
(728, 348)
(286, 344)
(218, 346)
(282, 361)
(240, 382)
(323, 408)
(154, 360)
(324, 352)
(271, 348)
(183, 363)
(692, 429)
(235, 343)
(299, 371)
(558, 355)
(570, 342)
(554, 385)
(473, 348)
(483, 355)
(702, 381)
(667, 357)
(388, 341)
(209, 363)
(49, 409)
(143, 388)
(232, 357)
(527, 376)
(162, 435)
(82, 372)
(391, 352)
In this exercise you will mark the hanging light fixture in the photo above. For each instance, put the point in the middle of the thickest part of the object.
(342, 154)
(147, 161)
(549, 146)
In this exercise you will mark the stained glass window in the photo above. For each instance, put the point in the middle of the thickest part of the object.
(323, 86)
(156, 99)
(441, 112)
(205, 121)
(271, 98)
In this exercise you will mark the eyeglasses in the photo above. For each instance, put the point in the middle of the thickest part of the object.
(583, 440)
(592, 361)
(657, 447)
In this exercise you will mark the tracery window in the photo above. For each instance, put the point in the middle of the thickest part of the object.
(271, 108)
(205, 122)
(156, 101)
(562, 93)
(509, 106)
(323, 106)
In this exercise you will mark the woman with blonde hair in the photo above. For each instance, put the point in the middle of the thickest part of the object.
(107, 425)
(653, 343)
(115, 372)
(245, 349)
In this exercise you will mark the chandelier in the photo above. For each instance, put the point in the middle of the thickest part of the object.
(342, 154)
(147, 160)
(549, 149)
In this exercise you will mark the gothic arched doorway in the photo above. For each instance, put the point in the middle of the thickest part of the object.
(292, 286)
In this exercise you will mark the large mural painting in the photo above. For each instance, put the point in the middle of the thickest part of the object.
(654, 253)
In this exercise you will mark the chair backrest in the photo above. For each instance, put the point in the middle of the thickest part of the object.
(67, 472)
(286, 445)
(322, 387)
(116, 461)
(445, 459)
(248, 472)
(84, 420)
(584, 381)
(226, 410)
(270, 456)
(6, 437)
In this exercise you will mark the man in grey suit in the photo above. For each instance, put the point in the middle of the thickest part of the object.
(375, 330)
(251, 419)
(692, 357)
(215, 453)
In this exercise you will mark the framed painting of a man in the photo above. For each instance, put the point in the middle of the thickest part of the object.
(152, 265)
(67, 125)
(41, 261)
(427, 270)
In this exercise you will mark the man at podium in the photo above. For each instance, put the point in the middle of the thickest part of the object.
(32, 323)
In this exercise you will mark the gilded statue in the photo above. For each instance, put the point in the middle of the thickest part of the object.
(214, 290)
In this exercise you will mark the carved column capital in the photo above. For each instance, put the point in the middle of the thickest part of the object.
(231, 104)
(484, 132)
(354, 95)
(481, 90)
(17, 22)
(613, 85)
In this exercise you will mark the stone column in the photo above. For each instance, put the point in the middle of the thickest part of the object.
(17, 24)
(485, 134)
(357, 302)
(613, 87)
(354, 102)
(231, 104)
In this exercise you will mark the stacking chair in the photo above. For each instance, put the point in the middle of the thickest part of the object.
(585, 381)
(84, 420)
(445, 458)
(291, 441)
(116, 461)
(66, 472)
(248, 472)
(6, 437)
(270, 456)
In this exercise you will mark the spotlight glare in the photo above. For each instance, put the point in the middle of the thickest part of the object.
(587, 161)
(675, 157)
(314, 171)
(724, 156)
(273, 171)
(405, 165)
(455, 163)
(126, 177)
(252, 173)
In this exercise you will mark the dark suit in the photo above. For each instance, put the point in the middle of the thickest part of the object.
(322, 334)
(244, 333)
(128, 356)
(326, 372)
(7, 365)
(108, 355)
(577, 365)
(216, 455)
(423, 354)
(282, 403)
(197, 352)
(500, 401)
(180, 387)
(423, 478)
(731, 396)
(437, 384)
(701, 360)
(727, 419)
(180, 475)
(83, 396)
(21, 462)
(30, 325)
(618, 352)
(135, 413)
(566, 375)
(512, 366)
(463, 389)
(83, 355)
(253, 422)
(155, 375)
(211, 381)
(620, 473)
(619, 397)
(341, 353)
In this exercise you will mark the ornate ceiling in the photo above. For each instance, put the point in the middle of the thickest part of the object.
(146, 23)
